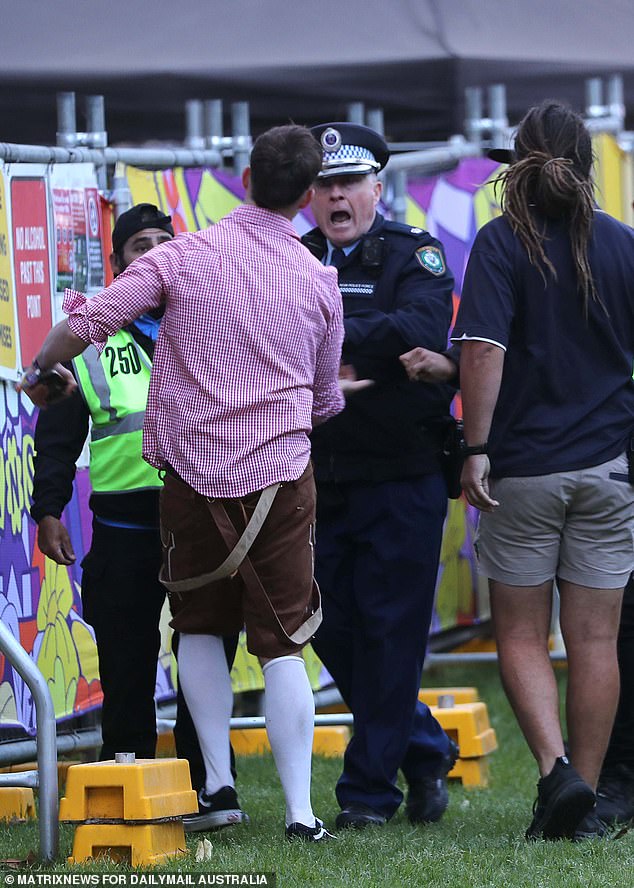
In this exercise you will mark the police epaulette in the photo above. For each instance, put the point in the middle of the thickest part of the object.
(402, 228)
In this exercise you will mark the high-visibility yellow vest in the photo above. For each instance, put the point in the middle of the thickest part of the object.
(115, 387)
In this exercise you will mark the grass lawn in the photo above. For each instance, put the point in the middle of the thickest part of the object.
(479, 843)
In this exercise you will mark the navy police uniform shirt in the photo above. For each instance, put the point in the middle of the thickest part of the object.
(567, 398)
(397, 294)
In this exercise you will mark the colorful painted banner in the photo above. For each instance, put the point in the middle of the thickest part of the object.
(8, 317)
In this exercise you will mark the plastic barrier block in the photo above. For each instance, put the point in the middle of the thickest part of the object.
(137, 845)
(468, 725)
(17, 803)
(148, 789)
(62, 768)
(472, 772)
(460, 695)
(328, 741)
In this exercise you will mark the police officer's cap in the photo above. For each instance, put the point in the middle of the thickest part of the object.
(143, 215)
(350, 148)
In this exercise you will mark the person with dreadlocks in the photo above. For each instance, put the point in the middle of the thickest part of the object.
(546, 325)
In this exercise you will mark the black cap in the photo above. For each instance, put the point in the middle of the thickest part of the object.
(143, 215)
(350, 148)
(502, 155)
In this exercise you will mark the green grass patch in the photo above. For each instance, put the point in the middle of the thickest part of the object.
(479, 843)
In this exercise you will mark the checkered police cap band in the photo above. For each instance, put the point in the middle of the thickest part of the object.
(360, 159)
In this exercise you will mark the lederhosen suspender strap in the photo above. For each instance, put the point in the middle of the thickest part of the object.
(238, 560)
(237, 550)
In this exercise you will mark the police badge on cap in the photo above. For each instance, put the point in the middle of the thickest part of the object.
(350, 148)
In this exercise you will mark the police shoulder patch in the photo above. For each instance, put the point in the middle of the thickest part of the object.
(432, 259)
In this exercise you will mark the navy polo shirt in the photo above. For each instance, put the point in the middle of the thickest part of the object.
(566, 400)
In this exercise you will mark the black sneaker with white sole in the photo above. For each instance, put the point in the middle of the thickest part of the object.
(316, 833)
(215, 811)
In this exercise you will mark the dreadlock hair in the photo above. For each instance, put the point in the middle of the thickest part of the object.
(552, 173)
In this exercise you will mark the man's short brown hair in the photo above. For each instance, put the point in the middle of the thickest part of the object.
(284, 163)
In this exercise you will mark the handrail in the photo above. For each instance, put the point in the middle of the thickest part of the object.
(48, 813)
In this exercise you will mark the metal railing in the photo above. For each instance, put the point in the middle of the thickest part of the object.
(45, 778)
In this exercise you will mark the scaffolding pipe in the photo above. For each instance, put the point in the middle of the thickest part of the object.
(473, 113)
(96, 137)
(46, 741)
(213, 123)
(594, 97)
(434, 159)
(194, 138)
(355, 113)
(497, 113)
(156, 158)
(66, 120)
(20, 778)
(241, 136)
(375, 120)
(398, 202)
(477, 657)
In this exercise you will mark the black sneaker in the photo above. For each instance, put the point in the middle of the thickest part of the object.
(427, 797)
(615, 795)
(215, 811)
(316, 833)
(591, 827)
(563, 800)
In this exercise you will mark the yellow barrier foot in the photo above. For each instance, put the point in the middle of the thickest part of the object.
(137, 845)
(468, 725)
(459, 695)
(328, 741)
(147, 789)
(472, 772)
(16, 803)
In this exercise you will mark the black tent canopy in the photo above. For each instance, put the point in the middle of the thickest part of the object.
(302, 61)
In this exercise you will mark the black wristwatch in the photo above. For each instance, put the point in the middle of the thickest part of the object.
(475, 449)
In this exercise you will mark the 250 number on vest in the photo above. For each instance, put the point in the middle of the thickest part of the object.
(123, 359)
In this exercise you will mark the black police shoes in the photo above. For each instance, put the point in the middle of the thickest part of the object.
(358, 816)
(427, 797)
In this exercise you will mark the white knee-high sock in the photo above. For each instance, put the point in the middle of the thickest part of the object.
(204, 678)
(289, 710)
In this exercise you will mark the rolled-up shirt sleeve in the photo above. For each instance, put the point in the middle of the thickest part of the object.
(140, 288)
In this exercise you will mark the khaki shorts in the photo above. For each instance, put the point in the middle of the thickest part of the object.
(578, 526)
(281, 555)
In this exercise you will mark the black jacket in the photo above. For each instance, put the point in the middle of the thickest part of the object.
(392, 302)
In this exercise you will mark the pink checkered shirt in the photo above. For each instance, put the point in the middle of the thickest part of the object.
(247, 356)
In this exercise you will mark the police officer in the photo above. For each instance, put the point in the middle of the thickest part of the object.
(381, 497)
(121, 596)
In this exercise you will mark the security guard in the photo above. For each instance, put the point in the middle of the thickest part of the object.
(121, 596)
(381, 498)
